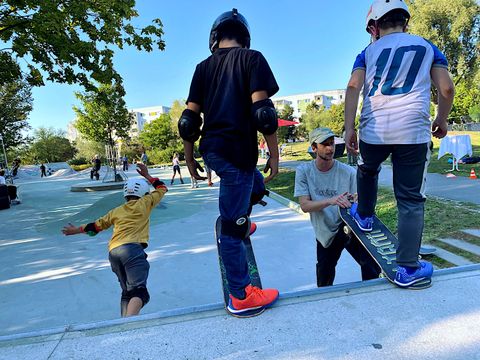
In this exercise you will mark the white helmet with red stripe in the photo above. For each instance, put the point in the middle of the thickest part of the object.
(136, 187)
(381, 7)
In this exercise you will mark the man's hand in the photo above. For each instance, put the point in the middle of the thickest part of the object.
(342, 200)
(272, 165)
(71, 229)
(143, 170)
(439, 129)
(351, 141)
(192, 169)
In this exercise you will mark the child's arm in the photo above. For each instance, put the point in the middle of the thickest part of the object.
(143, 170)
(90, 229)
(160, 188)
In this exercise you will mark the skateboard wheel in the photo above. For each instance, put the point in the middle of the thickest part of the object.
(347, 230)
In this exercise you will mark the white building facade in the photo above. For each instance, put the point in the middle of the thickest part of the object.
(300, 102)
(142, 116)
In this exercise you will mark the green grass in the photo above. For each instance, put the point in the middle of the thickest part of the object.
(298, 151)
(442, 218)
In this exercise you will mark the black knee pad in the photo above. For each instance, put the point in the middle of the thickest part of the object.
(238, 228)
(125, 296)
(140, 292)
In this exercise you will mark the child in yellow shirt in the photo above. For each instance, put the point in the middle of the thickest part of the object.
(131, 222)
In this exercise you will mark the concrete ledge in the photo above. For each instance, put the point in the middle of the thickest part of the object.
(97, 186)
(217, 309)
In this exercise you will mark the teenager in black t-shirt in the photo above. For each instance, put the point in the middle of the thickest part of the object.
(232, 88)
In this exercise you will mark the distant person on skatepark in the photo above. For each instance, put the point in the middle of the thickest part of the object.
(396, 72)
(43, 170)
(176, 168)
(232, 89)
(97, 164)
(322, 185)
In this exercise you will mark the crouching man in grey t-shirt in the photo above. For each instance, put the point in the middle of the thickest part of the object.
(322, 185)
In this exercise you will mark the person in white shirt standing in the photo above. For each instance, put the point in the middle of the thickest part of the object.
(396, 72)
(2, 177)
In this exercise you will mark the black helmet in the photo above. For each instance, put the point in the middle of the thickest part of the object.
(230, 23)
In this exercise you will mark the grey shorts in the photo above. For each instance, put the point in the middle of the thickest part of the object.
(129, 263)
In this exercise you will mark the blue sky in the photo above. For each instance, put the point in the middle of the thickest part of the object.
(310, 45)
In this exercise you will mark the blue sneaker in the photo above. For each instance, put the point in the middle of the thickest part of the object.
(366, 223)
(406, 277)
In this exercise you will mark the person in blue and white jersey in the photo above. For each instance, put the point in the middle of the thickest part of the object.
(396, 72)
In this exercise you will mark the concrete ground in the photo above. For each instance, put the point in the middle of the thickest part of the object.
(371, 320)
(49, 280)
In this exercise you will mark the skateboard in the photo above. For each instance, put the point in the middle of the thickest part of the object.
(252, 270)
(381, 244)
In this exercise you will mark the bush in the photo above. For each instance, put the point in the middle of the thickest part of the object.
(162, 156)
(78, 161)
(80, 167)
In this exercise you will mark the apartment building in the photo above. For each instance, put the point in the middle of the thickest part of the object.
(300, 102)
(142, 116)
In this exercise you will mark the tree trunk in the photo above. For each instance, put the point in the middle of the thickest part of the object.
(113, 159)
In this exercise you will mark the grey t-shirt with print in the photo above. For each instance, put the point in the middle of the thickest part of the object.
(321, 185)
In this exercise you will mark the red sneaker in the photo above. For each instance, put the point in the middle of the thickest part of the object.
(256, 299)
(253, 228)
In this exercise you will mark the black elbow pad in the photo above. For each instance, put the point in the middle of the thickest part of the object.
(265, 116)
(189, 125)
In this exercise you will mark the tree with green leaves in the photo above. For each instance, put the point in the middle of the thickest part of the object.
(69, 41)
(317, 116)
(103, 116)
(87, 149)
(467, 96)
(286, 113)
(50, 145)
(15, 105)
(454, 27)
(158, 133)
(175, 112)
(160, 138)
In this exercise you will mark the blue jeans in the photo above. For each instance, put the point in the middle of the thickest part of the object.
(236, 187)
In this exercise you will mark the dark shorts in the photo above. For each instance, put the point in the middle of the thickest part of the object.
(129, 263)
(176, 168)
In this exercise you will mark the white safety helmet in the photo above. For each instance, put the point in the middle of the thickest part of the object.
(136, 187)
(380, 7)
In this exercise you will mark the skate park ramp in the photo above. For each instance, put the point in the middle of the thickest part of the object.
(110, 201)
(58, 169)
